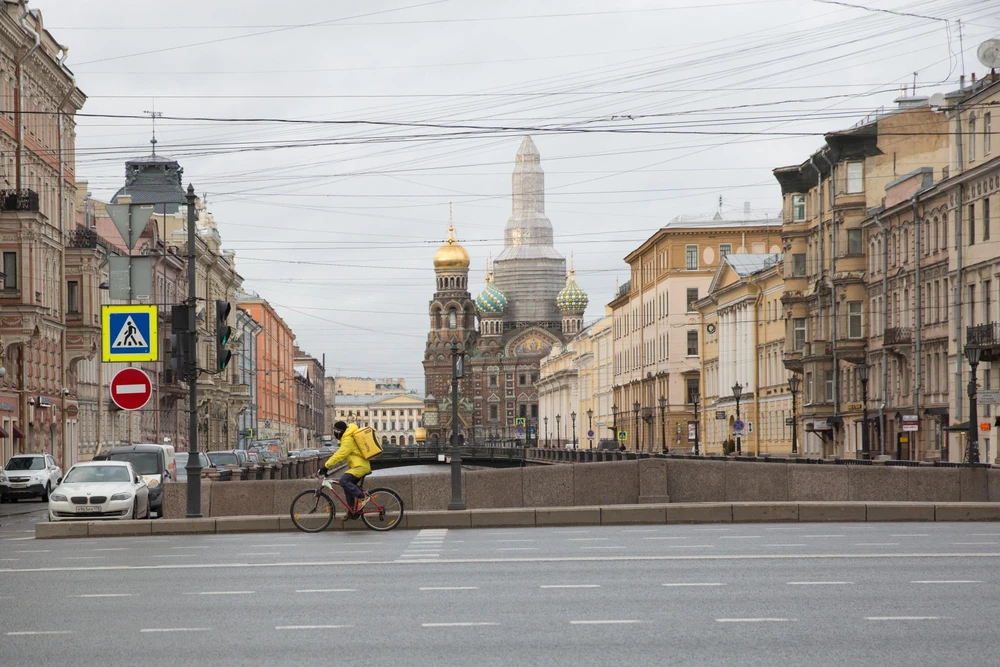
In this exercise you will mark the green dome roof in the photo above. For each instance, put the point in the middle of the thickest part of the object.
(572, 299)
(491, 301)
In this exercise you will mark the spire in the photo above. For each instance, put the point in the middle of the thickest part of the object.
(529, 182)
(153, 115)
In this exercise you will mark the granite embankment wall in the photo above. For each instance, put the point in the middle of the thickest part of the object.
(640, 481)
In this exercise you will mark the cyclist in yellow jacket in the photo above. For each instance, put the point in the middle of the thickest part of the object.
(358, 465)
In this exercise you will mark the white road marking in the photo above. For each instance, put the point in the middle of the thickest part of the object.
(603, 547)
(820, 583)
(824, 535)
(570, 586)
(753, 620)
(311, 627)
(102, 595)
(785, 545)
(904, 618)
(327, 590)
(517, 549)
(985, 535)
(83, 557)
(36, 551)
(113, 549)
(909, 535)
(876, 544)
(271, 546)
(221, 593)
(588, 539)
(17, 539)
(740, 537)
(962, 544)
(449, 588)
(173, 555)
(641, 530)
(943, 581)
(266, 553)
(664, 538)
(190, 547)
(505, 541)
(457, 625)
(691, 546)
(9, 560)
(712, 530)
(679, 585)
(175, 630)
(39, 632)
(608, 622)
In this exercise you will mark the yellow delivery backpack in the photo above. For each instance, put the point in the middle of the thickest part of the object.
(368, 442)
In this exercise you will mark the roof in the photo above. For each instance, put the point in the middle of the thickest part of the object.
(748, 264)
(371, 399)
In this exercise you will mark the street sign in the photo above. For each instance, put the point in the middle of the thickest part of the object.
(720, 415)
(988, 396)
(519, 421)
(267, 423)
(789, 421)
(130, 389)
(750, 427)
(623, 435)
(910, 422)
(738, 426)
(520, 432)
(130, 278)
(128, 333)
(910, 427)
(590, 434)
(130, 220)
(692, 431)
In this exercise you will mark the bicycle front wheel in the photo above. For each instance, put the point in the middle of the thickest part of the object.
(383, 510)
(312, 512)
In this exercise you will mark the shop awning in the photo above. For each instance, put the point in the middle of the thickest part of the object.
(18, 433)
(958, 428)
(3, 433)
(936, 411)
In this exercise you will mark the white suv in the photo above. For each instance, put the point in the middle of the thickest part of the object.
(29, 476)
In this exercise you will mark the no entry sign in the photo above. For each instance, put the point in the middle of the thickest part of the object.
(130, 389)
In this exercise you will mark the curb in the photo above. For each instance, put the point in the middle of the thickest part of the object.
(661, 514)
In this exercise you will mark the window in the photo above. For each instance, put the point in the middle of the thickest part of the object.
(972, 137)
(798, 208)
(725, 249)
(987, 143)
(972, 224)
(691, 257)
(692, 390)
(853, 241)
(534, 410)
(798, 333)
(73, 296)
(493, 412)
(972, 305)
(452, 319)
(523, 410)
(692, 297)
(799, 264)
(987, 306)
(809, 387)
(855, 177)
(692, 343)
(986, 219)
(10, 270)
(828, 388)
(521, 380)
(493, 380)
(854, 319)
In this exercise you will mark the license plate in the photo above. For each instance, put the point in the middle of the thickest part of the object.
(18, 486)
(87, 508)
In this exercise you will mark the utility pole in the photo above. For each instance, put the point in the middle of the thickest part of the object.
(457, 372)
(193, 462)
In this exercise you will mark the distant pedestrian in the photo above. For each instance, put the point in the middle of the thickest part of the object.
(621, 448)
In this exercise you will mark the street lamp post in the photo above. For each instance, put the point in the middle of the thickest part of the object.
(793, 386)
(457, 371)
(973, 353)
(694, 399)
(737, 392)
(663, 422)
(590, 427)
(638, 434)
(865, 446)
(614, 420)
(546, 420)
(558, 431)
(572, 416)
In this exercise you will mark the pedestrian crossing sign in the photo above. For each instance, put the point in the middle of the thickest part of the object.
(128, 333)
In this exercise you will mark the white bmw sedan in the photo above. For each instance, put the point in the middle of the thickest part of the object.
(100, 490)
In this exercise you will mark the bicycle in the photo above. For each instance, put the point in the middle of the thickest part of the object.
(313, 511)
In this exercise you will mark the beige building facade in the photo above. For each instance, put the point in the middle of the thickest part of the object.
(395, 417)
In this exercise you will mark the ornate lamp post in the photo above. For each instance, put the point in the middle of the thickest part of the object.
(572, 416)
(973, 353)
(638, 434)
(590, 427)
(793, 386)
(458, 371)
(865, 445)
(737, 392)
(663, 421)
(694, 399)
(546, 420)
(558, 431)
(614, 420)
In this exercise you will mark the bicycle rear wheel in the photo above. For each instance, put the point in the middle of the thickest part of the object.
(312, 512)
(383, 510)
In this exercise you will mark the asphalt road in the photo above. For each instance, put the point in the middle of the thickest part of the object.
(816, 594)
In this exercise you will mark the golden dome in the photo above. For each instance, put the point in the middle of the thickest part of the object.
(451, 255)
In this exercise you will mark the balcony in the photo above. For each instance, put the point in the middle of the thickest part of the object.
(986, 336)
(18, 200)
(897, 336)
(793, 361)
(817, 348)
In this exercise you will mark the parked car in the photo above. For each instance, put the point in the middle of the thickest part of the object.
(29, 476)
(241, 455)
(253, 456)
(100, 490)
(182, 459)
(224, 458)
(154, 463)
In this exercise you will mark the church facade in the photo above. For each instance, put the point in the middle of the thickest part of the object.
(528, 305)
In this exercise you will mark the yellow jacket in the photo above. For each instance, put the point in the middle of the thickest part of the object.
(359, 466)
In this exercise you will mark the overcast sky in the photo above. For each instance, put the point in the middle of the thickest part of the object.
(641, 109)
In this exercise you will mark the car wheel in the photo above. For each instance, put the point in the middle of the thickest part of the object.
(45, 494)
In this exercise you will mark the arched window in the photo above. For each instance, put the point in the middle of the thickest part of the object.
(392, 440)
(452, 318)
(411, 440)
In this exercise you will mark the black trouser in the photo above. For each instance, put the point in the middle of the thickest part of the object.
(351, 489)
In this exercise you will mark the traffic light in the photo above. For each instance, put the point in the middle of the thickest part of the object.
(222, 334)
(181, 361)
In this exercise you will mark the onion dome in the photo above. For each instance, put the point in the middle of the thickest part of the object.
(491, 301)
(451, 255)
(572, 299)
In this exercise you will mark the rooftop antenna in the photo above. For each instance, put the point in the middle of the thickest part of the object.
(961, 46)
(915, 83)
(153, 115)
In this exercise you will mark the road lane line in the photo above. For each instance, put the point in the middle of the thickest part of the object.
(190, 547)
(265, 553)
(604, 547)
(570, 586)
(985, 535)
(83, 557)
(820, 583)
(517, 549)
(683, 584)
(876, 544)
(271, 546)
(944, 581)
(311, 627)
(38, 632)
(712, 530)
(458, 625)
(588, 539)
(904, 618)
(36, 551)
(221, 593)
(691, 546)
(785, 545)
(963, 544)
(909, 535)
(327, 590)
(823, 536)
(740, 537)
(449, 588)
(754, 620)
(113, 549)
(665, 538)
(101, 595)
(607, 622)
(175, 630)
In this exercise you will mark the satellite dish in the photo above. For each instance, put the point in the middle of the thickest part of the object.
(989, 53)
(937, 101)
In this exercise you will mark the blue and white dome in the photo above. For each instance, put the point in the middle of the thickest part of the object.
(572, 299)
(491, 301)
